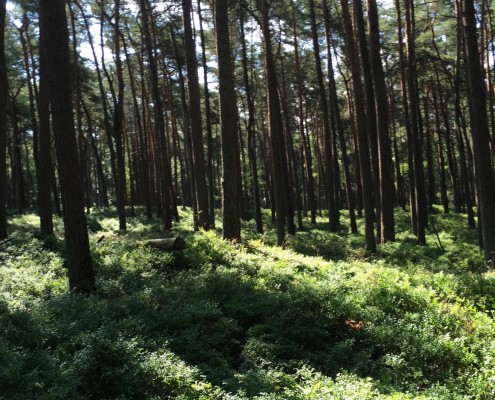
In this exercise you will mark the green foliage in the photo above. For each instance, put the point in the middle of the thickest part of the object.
(316, 320)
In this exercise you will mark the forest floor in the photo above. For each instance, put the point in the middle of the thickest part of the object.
(319, 319)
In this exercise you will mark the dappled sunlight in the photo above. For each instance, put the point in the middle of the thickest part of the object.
(316, 319)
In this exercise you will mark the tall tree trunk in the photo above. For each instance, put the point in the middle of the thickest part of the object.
(107, 123)
(102, 181)
(118, 123)
(407, 121)
(362, 134)
(166, 173)
(479, 131)
(82, 146)
(189, 181)
(441, 158)
(337, 121)
(302, 130)
(231, 180)
(251, 130)
(46, 168)
(18, 171)
(3, 125)
(371, 117)
(195, 117)
(415, 120)
(429, 150)
(143, 161)
(277, 145)
(209, 133)
(387, 189)
(333, 213)
(55, 42)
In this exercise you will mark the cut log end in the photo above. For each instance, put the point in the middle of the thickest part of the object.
(176, 243)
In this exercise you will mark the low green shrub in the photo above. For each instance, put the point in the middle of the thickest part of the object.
(319, 319)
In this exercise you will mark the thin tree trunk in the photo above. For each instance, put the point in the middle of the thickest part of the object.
(209, 133)
(429, 151)
(144, 179)
(118, 123)
(251, 130)
(302, 131)
(46, 170)
(18, 171)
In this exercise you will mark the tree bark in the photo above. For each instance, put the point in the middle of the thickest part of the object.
(415, 120)
(164, 166)
(55, 42)
(46, 168)
(479, 131)
(251, 130)
(231, 180)
(387, 190)
(333, 213)
(3, 125)
(118, 123)
(209, 133)
(311, 199)
(277, 143)
(362, 134)
(195, 119)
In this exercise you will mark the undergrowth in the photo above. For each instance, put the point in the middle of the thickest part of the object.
(318, 319)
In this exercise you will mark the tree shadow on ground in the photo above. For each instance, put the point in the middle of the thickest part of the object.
(231, 321)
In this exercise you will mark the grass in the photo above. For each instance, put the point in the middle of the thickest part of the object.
(319, 319)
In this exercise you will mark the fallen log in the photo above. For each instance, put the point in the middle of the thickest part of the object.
(176, 243)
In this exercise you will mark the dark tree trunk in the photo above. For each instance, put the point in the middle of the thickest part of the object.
(362, 135)
(387, 190)
(18, 169)
(118, 124)
(370, 110)
(251, 131)
(429, 151)
(311, 199)
(209, 133)
(337, 122)
(277, 143)
(143, 162)
(480, 132)
(333, 212)
(441, 159)
(55, 44)
(3, 125)
(46, 169)
(415, 120)
(166, 173)
(231, 181)
(195, 118)
(407, 121)
(82, 145)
